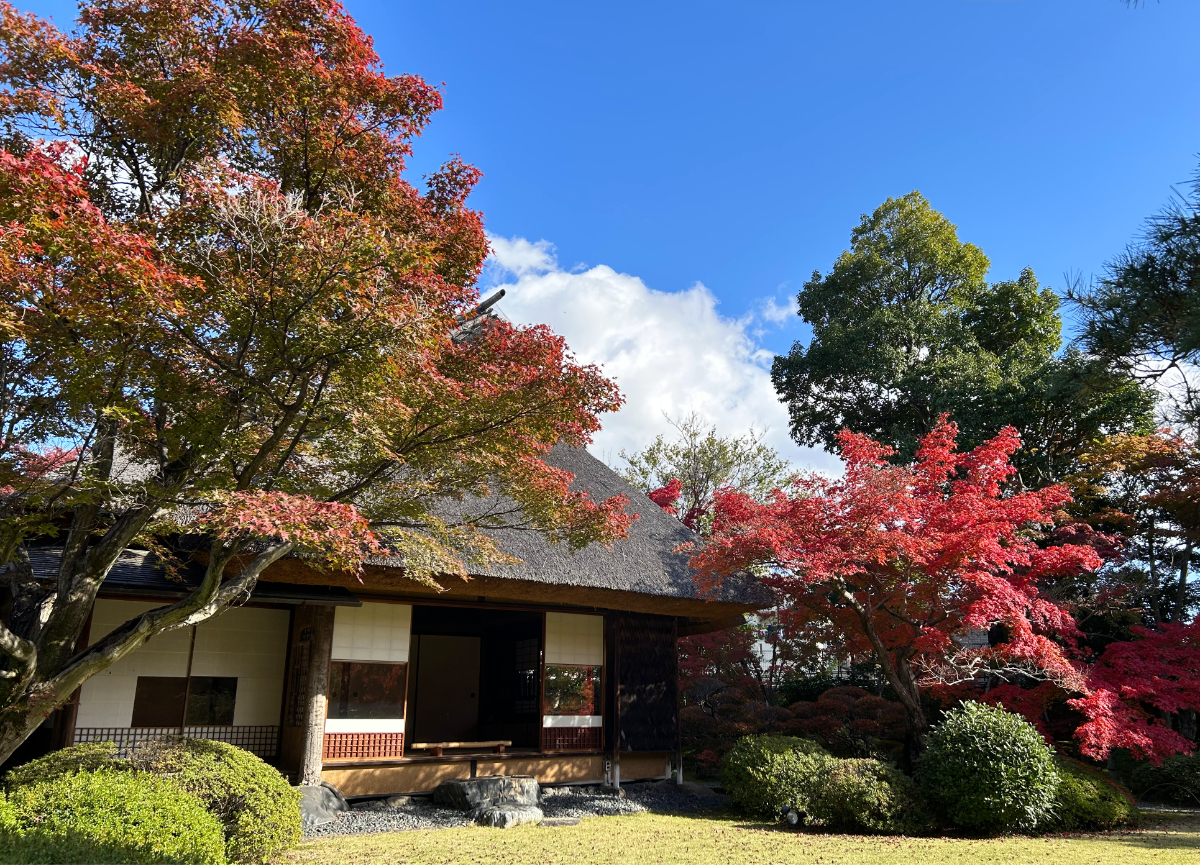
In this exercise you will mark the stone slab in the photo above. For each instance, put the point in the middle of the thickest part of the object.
(469, 793)
(505, 815)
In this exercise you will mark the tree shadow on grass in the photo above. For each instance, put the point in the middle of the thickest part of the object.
(1157, 831)
(1160, 831)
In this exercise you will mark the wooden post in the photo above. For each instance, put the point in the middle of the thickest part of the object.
(312, 749)
(187, 683)
(616, 766)
(678, 721)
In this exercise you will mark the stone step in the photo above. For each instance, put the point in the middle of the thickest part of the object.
(469, 793)
(504, 815)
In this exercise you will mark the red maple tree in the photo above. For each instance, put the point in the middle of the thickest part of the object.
(1134, 687)
(904, 559)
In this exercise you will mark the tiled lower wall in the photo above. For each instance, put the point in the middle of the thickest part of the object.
(571, 738)
(350, 746)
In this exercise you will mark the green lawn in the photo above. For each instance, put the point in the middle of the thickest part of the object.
(654, 838)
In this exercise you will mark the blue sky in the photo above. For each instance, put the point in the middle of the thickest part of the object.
(737, 144)
(703, 159)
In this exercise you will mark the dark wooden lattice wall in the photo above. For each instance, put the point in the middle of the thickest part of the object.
(645, 661)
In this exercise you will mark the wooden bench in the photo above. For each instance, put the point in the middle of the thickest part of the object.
(497, 746)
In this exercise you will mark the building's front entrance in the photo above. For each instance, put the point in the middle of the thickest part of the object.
(476, 676)
(446, 704)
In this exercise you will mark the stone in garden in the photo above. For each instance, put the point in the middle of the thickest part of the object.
(321, 804)
(469, 793)
(687, 788)
(398, 801)
(505, 815)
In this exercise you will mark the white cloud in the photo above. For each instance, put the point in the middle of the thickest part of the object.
(519, 257)
(778, 313)
(669, 352)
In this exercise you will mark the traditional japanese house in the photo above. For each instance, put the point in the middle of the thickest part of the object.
(562, 666)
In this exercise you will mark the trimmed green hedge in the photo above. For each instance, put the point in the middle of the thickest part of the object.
(742, 770)
(107, 816)
(988, 770)
(1085, 800)
(867, 796)
(256, 806)
(91, 757)
(765, 774)
(786, 780)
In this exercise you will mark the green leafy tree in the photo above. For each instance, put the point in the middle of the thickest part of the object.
(683, 473)
(748, 662)
(906, 327)
(1143, 315)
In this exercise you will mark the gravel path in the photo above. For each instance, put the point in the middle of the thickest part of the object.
(557, 802)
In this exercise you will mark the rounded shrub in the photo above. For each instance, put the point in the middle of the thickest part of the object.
(851, 795)
(89, 757)
(107, 816)
(867, 796)
(791, 780)
(747, 769)
(1086, 800)
(256, 805)
(987, 770)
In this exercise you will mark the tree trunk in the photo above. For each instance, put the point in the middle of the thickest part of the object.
(17, 723)
(312, 751)
(899, 675)
(39, 687)
(1155, 595)
(897, 670)
(1181, 590)
(918, 724)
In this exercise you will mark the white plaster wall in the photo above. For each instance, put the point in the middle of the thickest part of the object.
(250, 643)
(574, 639)
(364, 725)
(246, 642)
(372, 632)
(106, 699)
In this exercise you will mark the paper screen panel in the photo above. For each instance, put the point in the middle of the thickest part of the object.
(372, 632)
(574, 639)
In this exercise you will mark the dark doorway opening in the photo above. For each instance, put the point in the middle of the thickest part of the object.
(476, 676)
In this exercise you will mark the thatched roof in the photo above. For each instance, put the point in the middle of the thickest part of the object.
(645, 562)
